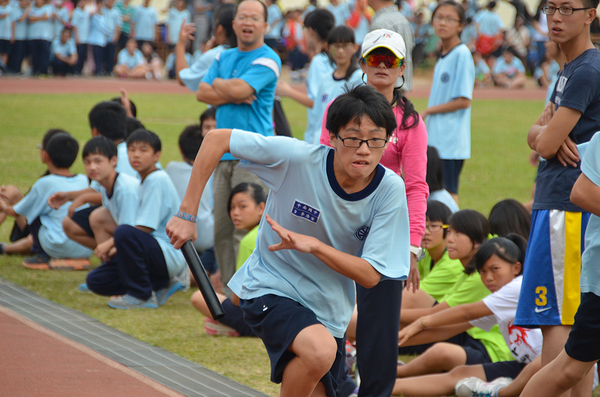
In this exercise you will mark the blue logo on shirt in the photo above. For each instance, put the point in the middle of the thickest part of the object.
(324, 98)
(445, 77)
(306, 212)
(362, 233)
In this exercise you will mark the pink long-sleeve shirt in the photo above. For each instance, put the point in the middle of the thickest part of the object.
(406, 155)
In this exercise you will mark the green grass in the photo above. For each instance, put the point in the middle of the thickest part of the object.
(498, 169)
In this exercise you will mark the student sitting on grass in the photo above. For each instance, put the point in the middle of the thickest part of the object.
(143, 266)
(509, 71)
(130, 61)
(246, 207)
(51, 247)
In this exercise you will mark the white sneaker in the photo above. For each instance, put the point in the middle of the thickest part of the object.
(475, 387)
(467, 386)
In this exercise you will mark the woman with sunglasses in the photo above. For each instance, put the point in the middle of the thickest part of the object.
(383, 66)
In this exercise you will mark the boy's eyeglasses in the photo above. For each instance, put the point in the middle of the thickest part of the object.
(436, 228)
(564, 10)
(439, 18)
(244, 18)
(373, 143)
(389, 61)
(341, 46)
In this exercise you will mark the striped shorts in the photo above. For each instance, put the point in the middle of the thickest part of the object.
(550, 293)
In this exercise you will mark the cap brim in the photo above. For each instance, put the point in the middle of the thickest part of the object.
(396, 53)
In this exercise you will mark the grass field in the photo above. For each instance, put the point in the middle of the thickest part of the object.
(498, 169)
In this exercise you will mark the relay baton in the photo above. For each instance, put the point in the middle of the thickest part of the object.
(206, 288)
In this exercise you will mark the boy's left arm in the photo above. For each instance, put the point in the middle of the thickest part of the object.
(585, 194)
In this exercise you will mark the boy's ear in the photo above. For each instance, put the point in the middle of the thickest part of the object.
(156, 156)
(114, 160)
(517, 267)
(95, 132)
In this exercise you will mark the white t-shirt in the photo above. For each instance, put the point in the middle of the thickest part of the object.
(525, 344)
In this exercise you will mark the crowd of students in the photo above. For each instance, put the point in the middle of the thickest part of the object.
(336, 223)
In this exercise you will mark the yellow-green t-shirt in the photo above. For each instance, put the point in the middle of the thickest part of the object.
(247, 245)
(437, 282)
(470, 289)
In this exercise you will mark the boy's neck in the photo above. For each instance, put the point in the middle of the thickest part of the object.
(145, 173)
(341, 70)
(449, 44)
(436, 253)
(58, 171)
(109, 182)
(577, 46)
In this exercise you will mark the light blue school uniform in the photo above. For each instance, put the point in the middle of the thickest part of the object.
(590, 271)
(193, 75)
(306, 198)
(361, 30)
(319, 66)
(113, 21)
(99, 31)
(553, 71)
(51, 236)
(170, 62)
(131, 61)
(145, 23)
(40, 30)
(62, 14)
(453, 77)
(20, 27)
(274, 14)
(341, 13)
(509, 68)
(6, 23)
(444, 196)
(489, 23)
(81, 20)
(123, 166)
(481, 68)
(66, 50)
(158, 203)
(174, 21)
(260, 69)
(122, 203)
(469, 33)
(329, 89)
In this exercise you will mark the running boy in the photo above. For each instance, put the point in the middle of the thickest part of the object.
(551, 291)
(334, 216)
(143, 266)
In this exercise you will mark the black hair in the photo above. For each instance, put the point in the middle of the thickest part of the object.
(224, 15)
(62, 150)
(472, 224)
(210, 113)
(254, 190)
(509, 216)
(265, 8)
(100, 145)
(66, 30)
(133, 107)
(457, 7)
(360, 101)
(132, 124)
(591, 3)
(435, 170)
(510, 249)
(491, 5)
(109, 119)
(145, 136)
(190, 141)
(49, 134)
(438, 212)
(321, 21)
(343, 34)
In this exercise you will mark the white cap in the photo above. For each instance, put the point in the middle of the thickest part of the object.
(384, 38)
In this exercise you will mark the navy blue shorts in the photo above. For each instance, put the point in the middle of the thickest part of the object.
(4, 46)
(234, 318)
(277, 321)
(583, 343)
(474, 348)
(507, 369)
(452, 169)
(82, 218)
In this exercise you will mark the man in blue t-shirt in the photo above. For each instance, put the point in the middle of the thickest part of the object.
(241, 82)
(550, 293)
(63, 54)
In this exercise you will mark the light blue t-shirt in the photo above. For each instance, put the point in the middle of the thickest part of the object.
(590, 271)
(553, 72)
(193, 75)
(123, 165)
(180, 174)
(275, 21)
(481, 68)
(51, 236)
(113, 21)
(174, 21)
(131, 61)
(329, 89)
(170, 62)
(81, 20)
(99, 30)
(510, 69)
(158, 203)
(123, 202)
(40, 30)
(6, 23)
(319, 66)
(341, 12)
(306, 198)
(260, 69)
(20, 27)
(445, 197)
(489, 23)
(453, 77)
(145, 23)
(66, 50)
(62, 18)
(469, 33)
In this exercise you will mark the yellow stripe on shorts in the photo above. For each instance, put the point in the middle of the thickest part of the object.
(572, 295)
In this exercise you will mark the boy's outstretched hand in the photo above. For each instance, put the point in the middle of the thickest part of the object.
(180, 231)
(56, 200)
(409, 331)
(291, 240)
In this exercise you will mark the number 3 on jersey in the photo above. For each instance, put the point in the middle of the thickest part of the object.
(541, 299)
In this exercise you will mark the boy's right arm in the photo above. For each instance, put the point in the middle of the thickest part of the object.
(585, 194)
(214, 146)
(56, 200)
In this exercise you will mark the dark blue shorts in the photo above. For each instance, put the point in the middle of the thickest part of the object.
(452, 169)
(583, 343)
(507, 369)
(234, 318)
(4, 46)
(277, 321)
(82, 218)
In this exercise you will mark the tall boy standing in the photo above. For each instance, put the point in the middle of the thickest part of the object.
(550, 293)
(334, 216)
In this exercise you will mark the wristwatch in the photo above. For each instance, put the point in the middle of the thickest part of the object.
(418, 251)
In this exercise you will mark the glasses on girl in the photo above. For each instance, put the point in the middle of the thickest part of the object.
(389, 61)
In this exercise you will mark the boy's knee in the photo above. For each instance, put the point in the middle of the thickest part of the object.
(123, 233)
(439, 352)
(12, 194)
(318, 351)
(70, 227)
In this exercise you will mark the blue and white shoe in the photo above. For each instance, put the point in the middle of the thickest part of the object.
(475, 387)
(129, 302)
(163, 294)
(83, 288)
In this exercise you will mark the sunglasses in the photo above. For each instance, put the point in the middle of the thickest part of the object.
(389, 61)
